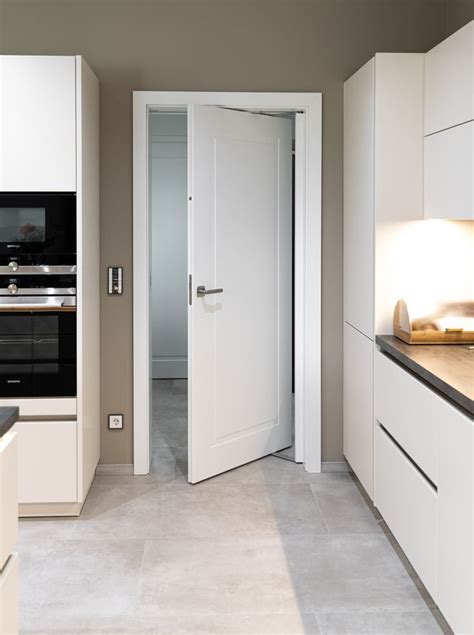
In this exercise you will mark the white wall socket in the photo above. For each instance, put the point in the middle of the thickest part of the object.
(115, 422)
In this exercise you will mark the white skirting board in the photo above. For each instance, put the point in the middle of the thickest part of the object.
(127, 468)
(108, 469)
(335, 466)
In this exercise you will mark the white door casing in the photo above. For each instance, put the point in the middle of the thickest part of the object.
(240, 340)
(307, 253)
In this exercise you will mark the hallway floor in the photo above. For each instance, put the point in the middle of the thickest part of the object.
(263, 549)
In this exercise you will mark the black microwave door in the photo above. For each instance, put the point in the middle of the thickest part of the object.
(37, 224)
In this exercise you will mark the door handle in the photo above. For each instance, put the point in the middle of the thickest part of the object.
(201, 291)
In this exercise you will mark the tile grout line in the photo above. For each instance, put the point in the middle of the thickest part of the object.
(320, 510)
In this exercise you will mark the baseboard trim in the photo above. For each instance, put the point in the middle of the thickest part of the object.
(104, 469)
(335, 466)
(43, 510)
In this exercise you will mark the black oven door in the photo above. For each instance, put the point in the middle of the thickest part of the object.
(37, 229)
(37, 353)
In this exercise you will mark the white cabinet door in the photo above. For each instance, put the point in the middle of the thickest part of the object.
(359, 122)
(456, 521)
(449, 173)
(240, 243)
(449, 74)
(407, 502)
(47, 461)
(9, 621)
(8, 495)
(358, 405)
(37, 123)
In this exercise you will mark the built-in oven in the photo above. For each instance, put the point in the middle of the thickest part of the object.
(37, 336)
(37, 232)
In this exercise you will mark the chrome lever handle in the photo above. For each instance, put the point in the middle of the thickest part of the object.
(201, 291)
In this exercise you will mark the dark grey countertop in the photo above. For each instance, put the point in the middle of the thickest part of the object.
(8, 417)
(448, 368)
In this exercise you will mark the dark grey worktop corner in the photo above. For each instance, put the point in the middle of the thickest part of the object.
(8, 418)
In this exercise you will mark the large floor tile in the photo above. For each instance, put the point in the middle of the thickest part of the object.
(349, 572)
(380, 623)
(202, 511)
(63, 581)
(343, 507)
(275, 624)
(45, 529)
(221, 576)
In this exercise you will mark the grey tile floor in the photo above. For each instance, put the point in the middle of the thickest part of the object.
(266, 548)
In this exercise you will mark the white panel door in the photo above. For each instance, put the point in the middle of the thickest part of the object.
(240, 241)
(37, 123)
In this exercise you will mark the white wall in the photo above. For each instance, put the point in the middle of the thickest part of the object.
(168, 165)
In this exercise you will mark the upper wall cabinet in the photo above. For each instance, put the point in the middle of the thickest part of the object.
(449, 140)
(449, 173)
(37, 123)
(449, 86)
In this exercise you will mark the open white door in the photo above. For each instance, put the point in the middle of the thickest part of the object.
(240, 172)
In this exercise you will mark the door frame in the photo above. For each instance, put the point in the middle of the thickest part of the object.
(308, 177)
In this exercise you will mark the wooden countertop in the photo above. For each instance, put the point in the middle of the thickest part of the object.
(449, 368)
(8, 417)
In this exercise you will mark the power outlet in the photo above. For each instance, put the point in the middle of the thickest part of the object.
(115, 422)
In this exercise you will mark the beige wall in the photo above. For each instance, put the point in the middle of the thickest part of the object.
(235, 45)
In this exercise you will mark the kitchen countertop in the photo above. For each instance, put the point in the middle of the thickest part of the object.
(8, 417)
(448, 368)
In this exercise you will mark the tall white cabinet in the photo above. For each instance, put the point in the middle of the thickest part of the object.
(383, 182)
(49, 141)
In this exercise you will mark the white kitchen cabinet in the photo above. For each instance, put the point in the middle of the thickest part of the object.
(456, 520)
(449, 173)
(47, 461)
(449, 74)
(358, 405)
(383, 183)
(8, 495)
(9, 621)
(410, 412)
(49, 141)
(37, 123)
(359, 199)
(408, 504)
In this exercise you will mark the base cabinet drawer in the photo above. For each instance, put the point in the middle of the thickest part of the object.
(8, 495)
(410, 412)
(9, 597)
(47, 461)
(408, 504)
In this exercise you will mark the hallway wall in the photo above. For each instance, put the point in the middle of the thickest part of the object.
(217, 45)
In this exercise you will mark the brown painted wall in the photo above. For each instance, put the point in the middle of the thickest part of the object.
(458, 13)
(234, 45)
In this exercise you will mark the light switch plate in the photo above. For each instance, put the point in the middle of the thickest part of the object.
(115, 422)
(115, 280)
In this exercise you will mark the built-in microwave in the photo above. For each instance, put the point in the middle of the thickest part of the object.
(37, 232)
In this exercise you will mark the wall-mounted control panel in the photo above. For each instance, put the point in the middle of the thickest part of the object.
(115, 280)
